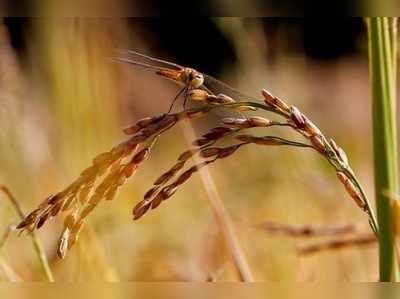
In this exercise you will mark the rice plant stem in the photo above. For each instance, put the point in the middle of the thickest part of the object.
(9, 272)
(393, 39)
(37, 245)
(382, 69)
(223, 218)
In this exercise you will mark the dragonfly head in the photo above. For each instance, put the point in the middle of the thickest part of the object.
(194, 78)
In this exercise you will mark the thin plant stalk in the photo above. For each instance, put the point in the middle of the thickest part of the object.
(382, 48)
(37, 245)
(9, 272)
(223, 218)
(393, 23)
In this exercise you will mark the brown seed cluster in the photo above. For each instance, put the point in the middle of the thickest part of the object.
(213, 135)
(303, 124)
(265, 140)
(110, 170)
(82, 196)
(274, 101)
(200, 95)
(245, 123)
(159, 192)
(330, 150)
(220, 99)
(299, 121)
(77, 193)
(351, 189)
(340, 153)
(101, 181)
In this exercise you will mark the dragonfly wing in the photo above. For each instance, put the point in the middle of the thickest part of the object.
(148, 60)
(172, 72)
(216, 87)
(139, 64)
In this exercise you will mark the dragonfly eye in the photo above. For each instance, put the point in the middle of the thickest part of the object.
(196, 80)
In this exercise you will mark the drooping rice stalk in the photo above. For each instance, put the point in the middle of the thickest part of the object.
(382, 59)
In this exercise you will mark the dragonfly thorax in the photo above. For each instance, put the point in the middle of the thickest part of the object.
(194, 78)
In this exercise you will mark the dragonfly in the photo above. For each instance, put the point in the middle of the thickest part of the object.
(186, 76)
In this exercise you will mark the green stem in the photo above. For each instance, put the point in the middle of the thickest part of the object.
(382, 69)
(393, 41)
(37, 245)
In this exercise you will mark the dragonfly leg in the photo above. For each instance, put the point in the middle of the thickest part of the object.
(183, 90)
(186, 97)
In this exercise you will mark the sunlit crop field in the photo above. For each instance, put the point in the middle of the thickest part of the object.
(64, 100)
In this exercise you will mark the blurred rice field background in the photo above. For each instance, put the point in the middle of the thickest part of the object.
(63, 100)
